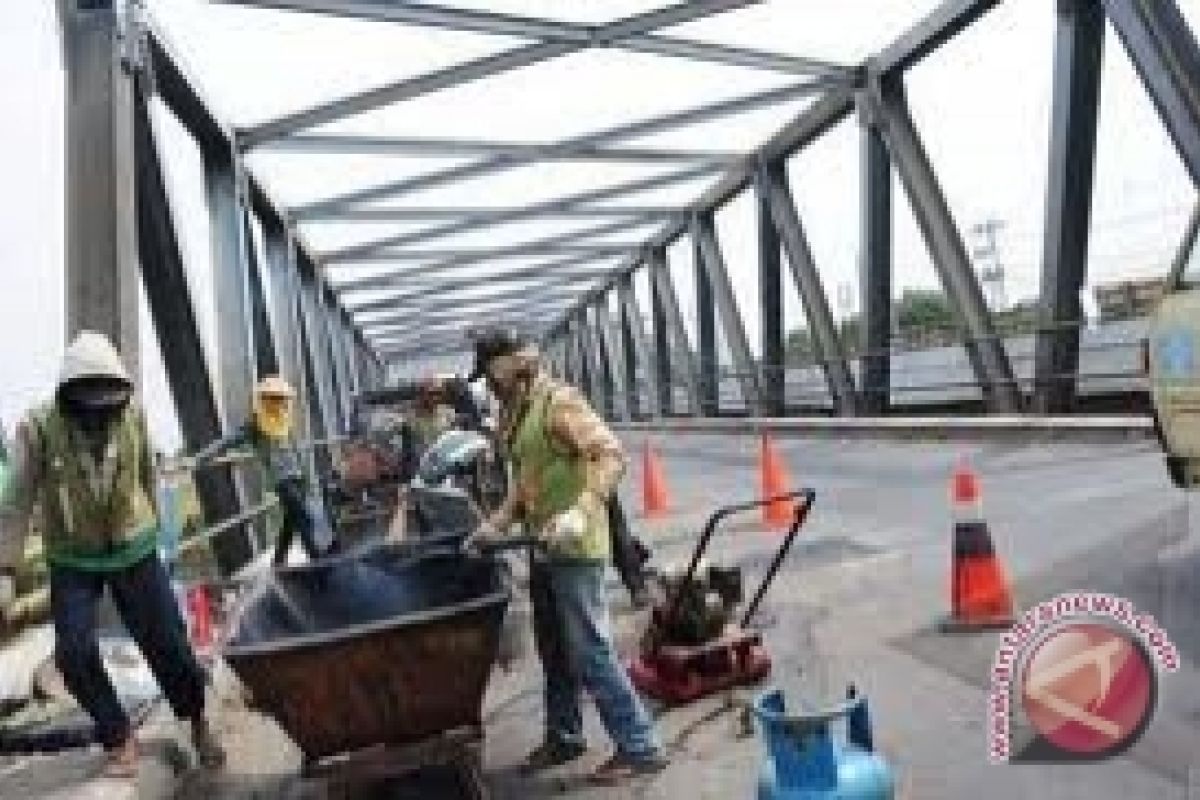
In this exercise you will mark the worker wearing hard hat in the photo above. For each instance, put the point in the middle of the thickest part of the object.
(428, 419)
(84, 459)
(268, 433)
(566, 463)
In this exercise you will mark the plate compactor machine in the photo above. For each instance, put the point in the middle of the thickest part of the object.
(693, 647)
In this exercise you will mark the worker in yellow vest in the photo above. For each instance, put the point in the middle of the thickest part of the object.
(566, 463)
(268, 435)
(85, 460)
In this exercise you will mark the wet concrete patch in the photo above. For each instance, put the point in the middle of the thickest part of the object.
(811, 554)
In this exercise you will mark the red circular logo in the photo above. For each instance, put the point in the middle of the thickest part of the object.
(1089, 689)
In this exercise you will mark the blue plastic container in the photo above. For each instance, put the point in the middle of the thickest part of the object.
(806, 761)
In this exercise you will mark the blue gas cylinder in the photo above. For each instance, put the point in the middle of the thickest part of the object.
(806, 761)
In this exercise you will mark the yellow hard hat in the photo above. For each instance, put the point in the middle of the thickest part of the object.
(274, 386)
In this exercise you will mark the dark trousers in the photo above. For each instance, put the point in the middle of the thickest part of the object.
(143, 597)
(296, 519)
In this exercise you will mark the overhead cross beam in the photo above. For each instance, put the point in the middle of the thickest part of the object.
(444, 268)
(458, 74)
(426, 213)
(445, 288)
(608, 136)
(351, 144)
(458, 302)
(550, 31)
(528, 212)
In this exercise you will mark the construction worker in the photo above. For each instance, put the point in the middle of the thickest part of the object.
(565, 464)
(268, 433)
(84, 459)
(428, 419)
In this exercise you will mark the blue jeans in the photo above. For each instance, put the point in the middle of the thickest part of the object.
(143, 597)
(572, 633)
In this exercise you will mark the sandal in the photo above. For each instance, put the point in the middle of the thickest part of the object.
(621, 768)
(122, 760)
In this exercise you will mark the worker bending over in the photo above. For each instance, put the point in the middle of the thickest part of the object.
(85, 460)
(566, 463)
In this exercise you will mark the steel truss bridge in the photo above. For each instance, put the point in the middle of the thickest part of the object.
(335, 334)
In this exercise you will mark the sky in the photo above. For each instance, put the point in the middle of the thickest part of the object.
(982, 104)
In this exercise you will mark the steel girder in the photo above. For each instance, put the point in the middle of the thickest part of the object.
(550, 30)
(173, 311)
(533, 210)
(180, 95)
(430, 288)
(597, 382)
(234, 303)
(1078, 59)
(673, 349)
(445, 213)
(938, 27)
(875, 272)
(614, 361)
(1167, 59)
(441, 268)
(808, 282)
(315, 349)
(770, 302)
(101, 259)
(608, 136)
(706, 334)
(949, 254)
(459, 318)
(465, 305)
(423, 146)
(477, 254)
(639, 366)
(709, 252)
(515, 58)
(266, 359)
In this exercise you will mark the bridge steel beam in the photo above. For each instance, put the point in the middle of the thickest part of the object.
(709, 253)
(612, 342)
(446, 268)
(675, 354)
(514, 58)
(458, 19)
(173, 311)
(875, 269)
(490, 219)
(639, 360)
(446, 213)
(770, 305)
(1167, 58)
(821, 325)
(101, 276)
(985, 350)
(706, 334)
(549, 273)
(236, 345)
(353, 144)
(1078, 61)
(624, 131)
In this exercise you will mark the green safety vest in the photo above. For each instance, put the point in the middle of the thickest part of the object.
(550, 481)
(92, 508)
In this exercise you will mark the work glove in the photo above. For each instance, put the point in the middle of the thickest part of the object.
(487, 533)
(570, 525)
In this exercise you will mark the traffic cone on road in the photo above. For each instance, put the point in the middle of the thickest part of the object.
(775, 482)
(980, 596)
(655, 500)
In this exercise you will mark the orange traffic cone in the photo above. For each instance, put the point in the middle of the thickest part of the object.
(655, 501)
(980, 596)
(775, 482)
